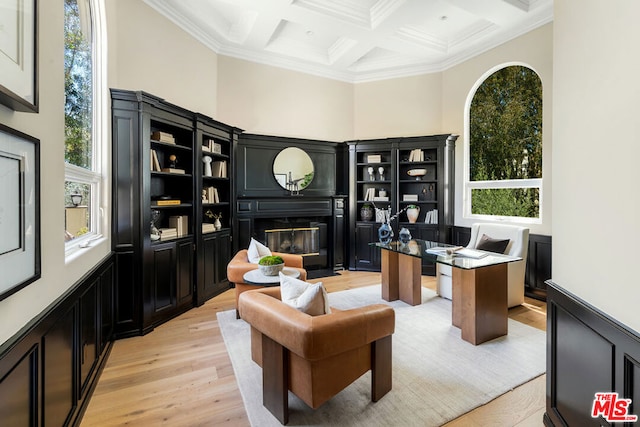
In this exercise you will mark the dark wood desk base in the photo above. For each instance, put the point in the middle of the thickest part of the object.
(401, 277)
(479, 296)
(479, 303)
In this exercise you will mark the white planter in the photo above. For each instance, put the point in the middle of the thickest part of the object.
(412, 214)
(271, 270)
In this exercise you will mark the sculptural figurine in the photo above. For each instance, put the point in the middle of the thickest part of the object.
(207, 165)
(370, 170)
(173, 160)
(204, 196)
(381, 172)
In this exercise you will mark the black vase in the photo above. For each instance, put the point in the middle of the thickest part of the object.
(366, 213)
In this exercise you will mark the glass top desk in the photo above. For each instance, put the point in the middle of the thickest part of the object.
(479, 285)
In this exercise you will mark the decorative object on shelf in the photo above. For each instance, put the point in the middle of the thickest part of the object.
(418, 173)
(385, 233)
(381, 173)
(382, 214)
(271, 265)
(366, 212)
(173, 160)
(155, 220)
(370, 171)
(165, 137)
(404, 236)
(382, 192)
(428, 192)
(207, 165)
(216, 217)
(76, 199)
(412, 213)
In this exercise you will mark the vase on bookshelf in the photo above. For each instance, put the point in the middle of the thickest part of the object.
(412, 213)
(366, 212)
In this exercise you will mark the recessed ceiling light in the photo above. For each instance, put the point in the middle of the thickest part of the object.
(444, 17)
(309, 33)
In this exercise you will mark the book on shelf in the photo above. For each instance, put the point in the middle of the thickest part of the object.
(180, 223)
(212, 195)
(369, 194)
(208, 227)
(163, 137)
(211, 146)
(381, 198)
(219, 169)
(416, 155)
(168, 233)
(374, 158)
(155, 163)
(409, 197)
(167, 202)
(431, 217)
(174, 170)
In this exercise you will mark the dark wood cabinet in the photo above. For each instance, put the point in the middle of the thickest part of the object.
(172, 187)
(395, 174)
(212, 271)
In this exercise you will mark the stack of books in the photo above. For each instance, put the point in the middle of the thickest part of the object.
(416, 155)
(431, 217)
(180, 223)
(211, 195)
(168, 233)
(219, 169)
(207, 227)
(155, 164)
(166, 202)
(374, 158)
(163, 137)
(211, 146)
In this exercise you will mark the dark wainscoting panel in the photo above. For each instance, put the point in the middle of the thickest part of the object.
(538, 260)
(49, 369)
(255, 155)
(587, 352)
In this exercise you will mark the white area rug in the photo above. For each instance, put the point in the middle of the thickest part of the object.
(436, 375)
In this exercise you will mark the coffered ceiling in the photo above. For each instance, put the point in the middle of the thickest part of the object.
(356, 40)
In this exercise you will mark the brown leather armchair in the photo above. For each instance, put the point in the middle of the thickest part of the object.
(316, 356)
(240, 264)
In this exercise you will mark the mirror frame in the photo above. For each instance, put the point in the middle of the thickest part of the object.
(293, 181)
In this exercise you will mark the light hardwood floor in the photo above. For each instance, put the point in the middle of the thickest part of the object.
(180, 374)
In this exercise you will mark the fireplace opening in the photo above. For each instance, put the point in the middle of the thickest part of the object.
(300, 241)
(305, 236)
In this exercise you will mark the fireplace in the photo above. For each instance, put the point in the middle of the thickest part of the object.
(306, 236)
(300, 241)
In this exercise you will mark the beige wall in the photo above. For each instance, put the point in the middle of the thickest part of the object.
(535, 50)
(148, 52)
(596, 207)
(48, 126)
(408, 106)
(273, 101)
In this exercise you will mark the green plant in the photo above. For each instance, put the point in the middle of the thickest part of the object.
(271, 260)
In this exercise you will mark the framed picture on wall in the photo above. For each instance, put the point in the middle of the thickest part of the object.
(18, 55)
(19, 210)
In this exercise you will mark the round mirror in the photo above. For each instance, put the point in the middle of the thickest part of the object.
(293, 169)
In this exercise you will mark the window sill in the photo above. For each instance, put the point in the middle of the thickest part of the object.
(77, 249)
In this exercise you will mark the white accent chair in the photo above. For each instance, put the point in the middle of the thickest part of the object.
(518, 246)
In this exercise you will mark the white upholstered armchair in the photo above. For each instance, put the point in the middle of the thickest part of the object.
(518, 246)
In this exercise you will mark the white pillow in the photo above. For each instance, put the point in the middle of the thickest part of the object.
(256, 251)
(310, 298)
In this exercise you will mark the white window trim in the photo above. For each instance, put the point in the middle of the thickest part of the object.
(94, 177)
(469, 185)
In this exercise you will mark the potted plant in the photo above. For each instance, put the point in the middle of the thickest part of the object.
(412, 213)
(271, 265)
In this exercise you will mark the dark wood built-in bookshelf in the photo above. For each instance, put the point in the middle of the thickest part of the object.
(158, 177)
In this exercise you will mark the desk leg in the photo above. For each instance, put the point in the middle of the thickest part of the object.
(480, 303)
(389, 272)
(409, 278)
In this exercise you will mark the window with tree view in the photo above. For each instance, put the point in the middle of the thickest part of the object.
(505, 145)
(82, 175)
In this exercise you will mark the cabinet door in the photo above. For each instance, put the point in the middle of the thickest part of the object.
(184, 275)
(163, 280)
(88, 333)
(367, 257)
(214, 257)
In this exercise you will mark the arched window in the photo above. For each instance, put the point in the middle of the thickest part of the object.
(84, 122)
(504, 174)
